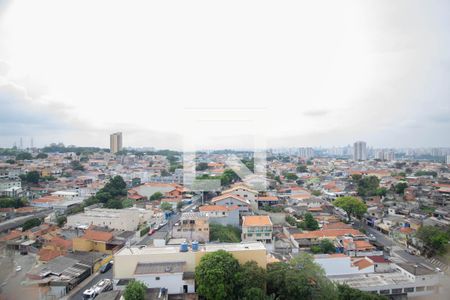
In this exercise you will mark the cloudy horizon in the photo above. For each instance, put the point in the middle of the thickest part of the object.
(225, 75)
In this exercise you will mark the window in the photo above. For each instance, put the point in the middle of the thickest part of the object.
(396, 291)
(157, 278)
(199, 229)
(431, 288)
(409, 290)
(384, 292)
(250, 235)
(420, 289)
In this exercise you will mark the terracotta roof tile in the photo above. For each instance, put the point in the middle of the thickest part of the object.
(256, 221)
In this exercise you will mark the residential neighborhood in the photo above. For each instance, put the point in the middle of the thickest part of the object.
(73, 219)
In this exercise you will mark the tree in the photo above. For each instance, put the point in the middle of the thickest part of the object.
(302, 169)
(224, 234)
(251, 277)
(114, 203)
(228, 177)
(31, 223)
(367, 186)
(32, 177)
(400, 187)
(344, 292)
(325, 246)
(352, 206)
(215, 276)
(11, 161)
(381, 192)
(301, 278)
(435, 239)
(156, 196)
(201, 166)
(24, 156)
(135, 290)
(179, 205)
(291, 176)
(41, 156)
(103, 197)
(75, 165)
(166, 206)
(309, 222)
(61, 220)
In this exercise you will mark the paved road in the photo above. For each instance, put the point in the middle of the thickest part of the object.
(90, 282)
(17, 222)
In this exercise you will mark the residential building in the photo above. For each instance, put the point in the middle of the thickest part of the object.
(219, 214)
(257, 228)
(192, 227)
(115, 142)
(10, 187)
(96, 240)
(232, 200)
(359, 151)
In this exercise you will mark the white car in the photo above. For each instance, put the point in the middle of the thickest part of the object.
(18, 268)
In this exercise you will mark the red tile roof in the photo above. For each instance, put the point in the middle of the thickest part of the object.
(101, 236)
(256, 221)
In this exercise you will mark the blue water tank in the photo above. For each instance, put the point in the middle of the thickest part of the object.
(194, 246)
(407, 225)
(184, 247)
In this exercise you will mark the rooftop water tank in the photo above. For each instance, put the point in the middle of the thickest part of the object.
(194, 246)
(184, 247)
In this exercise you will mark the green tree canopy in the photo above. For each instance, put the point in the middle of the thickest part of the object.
(156, 196)
(400, 187)
(76, 165)
(250, 277)
(435, 239)
(31, 223)
(31, 177)
(166, 206)
(228, 177)
(215, 276)
(325, 246)
(366, 185)
(302, 169)
(291, 176)
(224, 234)
(309, 223)
(135, 290)
(41, 156)
(301, 278)
(24, 156)
(201, 166)
(352, 206)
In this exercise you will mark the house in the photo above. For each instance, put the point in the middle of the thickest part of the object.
(245, 193)
(358, 247)
(168, 190)
(219, 214)
(257, 228)
(192, 227)
(307, 239)
(96, 240)
(232, 200)
(268, 201)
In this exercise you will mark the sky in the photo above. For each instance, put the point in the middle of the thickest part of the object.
(231, 74)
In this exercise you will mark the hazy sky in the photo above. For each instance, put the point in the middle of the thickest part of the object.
(229, 74)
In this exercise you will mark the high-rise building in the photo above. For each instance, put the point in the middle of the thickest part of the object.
(448, 159)
(359, 151)
(115, 142)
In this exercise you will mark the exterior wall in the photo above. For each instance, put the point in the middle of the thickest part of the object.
(173, 282)
(198, 231)
(81, 244)
(233, 202)
(122, 221)
(230, 218)
(257, 233)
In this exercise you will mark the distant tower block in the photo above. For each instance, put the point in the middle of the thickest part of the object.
(115, 142)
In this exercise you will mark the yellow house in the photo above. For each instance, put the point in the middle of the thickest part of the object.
(93, 240)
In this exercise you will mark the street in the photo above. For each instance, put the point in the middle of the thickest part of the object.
(90, 282)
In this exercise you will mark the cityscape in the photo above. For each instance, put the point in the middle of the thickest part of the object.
(238, 150)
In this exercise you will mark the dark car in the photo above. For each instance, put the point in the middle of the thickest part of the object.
(105, 268)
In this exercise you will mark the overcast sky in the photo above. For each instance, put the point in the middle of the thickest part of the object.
(229, 74)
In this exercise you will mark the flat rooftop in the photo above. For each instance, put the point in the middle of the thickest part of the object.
(202, 248)
(372, 280)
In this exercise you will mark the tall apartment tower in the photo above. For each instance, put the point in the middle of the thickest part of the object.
(115, 142)
(359, 151)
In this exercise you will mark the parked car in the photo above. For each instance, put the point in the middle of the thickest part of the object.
(151, 231)
(372, 237)
(18, 268)
(105, 268)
